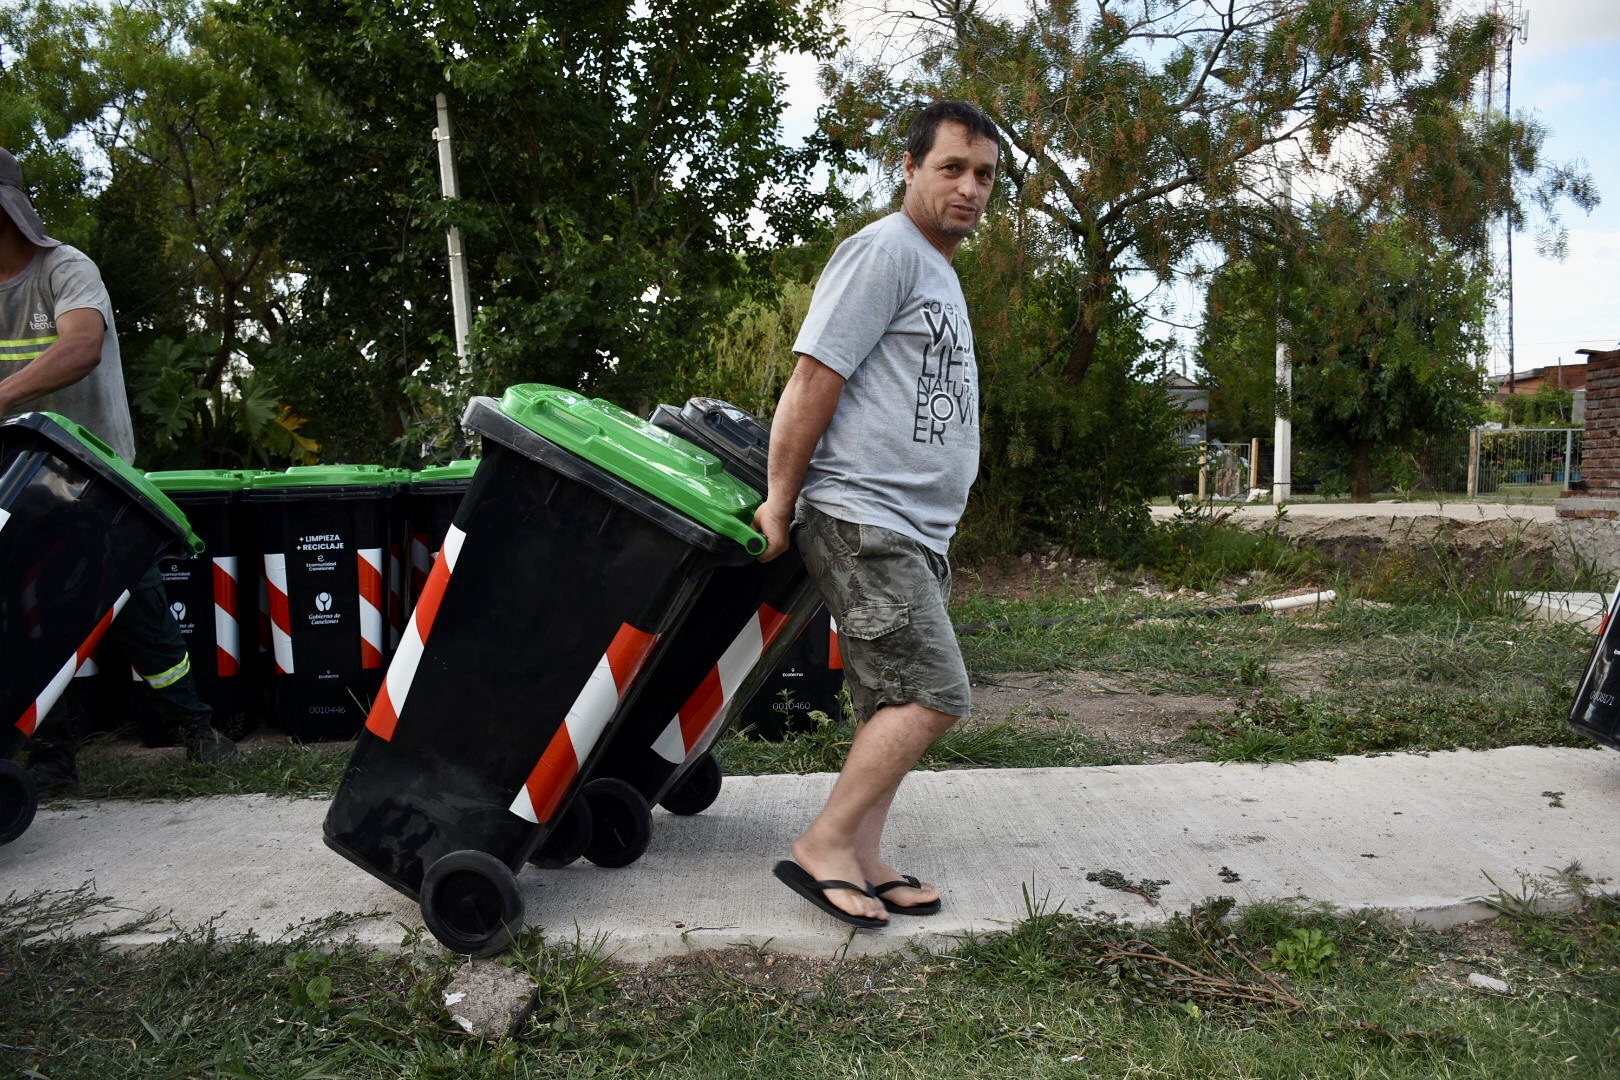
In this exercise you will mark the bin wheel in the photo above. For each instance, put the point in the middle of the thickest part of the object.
(18, 801)
(568, 840)
(470, 902)
(697, 790)
(622, 822)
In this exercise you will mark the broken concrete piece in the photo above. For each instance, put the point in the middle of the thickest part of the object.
(490, 1000)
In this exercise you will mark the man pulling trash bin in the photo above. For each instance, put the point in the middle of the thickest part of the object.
(59, 352)
(874, 445)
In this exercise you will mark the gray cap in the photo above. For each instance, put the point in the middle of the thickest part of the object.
(14, 199)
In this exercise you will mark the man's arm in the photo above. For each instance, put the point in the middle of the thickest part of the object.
(807, 406)
(73, 355)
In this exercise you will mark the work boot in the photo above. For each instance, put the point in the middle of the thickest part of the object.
(210, 747)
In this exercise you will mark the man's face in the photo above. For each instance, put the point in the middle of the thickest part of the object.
(947, 191)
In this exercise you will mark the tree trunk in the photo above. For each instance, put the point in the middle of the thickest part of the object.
(1087, 327)
(227, 335)
(1081, 350)
(1361, 474)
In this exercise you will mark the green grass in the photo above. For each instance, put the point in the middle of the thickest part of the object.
(1423, 651)
(1274, 991)
(278, 767)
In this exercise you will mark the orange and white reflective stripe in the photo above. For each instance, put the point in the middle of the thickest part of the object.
(227, 627)
(586, 720)
(275, 577)
(370, 565)
(64, 675)
(384, 715)
(835, 657)
(719, 687)
(421, 562)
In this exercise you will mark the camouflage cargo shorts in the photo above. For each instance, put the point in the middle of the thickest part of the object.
(888, 594)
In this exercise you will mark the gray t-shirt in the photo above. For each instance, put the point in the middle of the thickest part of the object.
(59, 280)
(903, 447)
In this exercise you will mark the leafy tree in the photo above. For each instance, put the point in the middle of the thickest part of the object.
(1383, 326)
(621, 171)
(127, 116)
(144, 102)
(750, 355)
(181, 426)
(1140, 130)
(1060, 464)
(1549, 406)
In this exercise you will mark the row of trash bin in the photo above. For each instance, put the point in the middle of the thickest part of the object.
(296, 603)
(300, 595)
(327, 541)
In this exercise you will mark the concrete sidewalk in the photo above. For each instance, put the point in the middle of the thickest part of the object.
(1423, 837)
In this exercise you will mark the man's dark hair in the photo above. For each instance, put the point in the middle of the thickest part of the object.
(969, 115)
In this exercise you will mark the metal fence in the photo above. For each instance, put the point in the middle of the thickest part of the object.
(1508, 464)
(1525, 461)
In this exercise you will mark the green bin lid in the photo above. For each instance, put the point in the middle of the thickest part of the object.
(452, 470)
(130, 474)
(200, 479)
(329, 476)
(663, 465)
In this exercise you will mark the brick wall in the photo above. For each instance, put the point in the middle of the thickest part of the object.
(1600, 449)
(1589, 518)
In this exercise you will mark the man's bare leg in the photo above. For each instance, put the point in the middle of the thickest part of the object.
(877, 870)
(842, 842)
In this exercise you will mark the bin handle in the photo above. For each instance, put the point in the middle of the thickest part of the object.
(86, 435)
(565, 418)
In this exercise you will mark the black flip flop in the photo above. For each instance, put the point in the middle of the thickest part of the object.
(907, 882)
(799, 880)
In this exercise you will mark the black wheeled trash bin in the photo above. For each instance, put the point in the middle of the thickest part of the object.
(78, 528)
(213, 595)
(435, 495)
(806, 680)
(739, 629)
(574, 557)
(1596, 712)
(327, 533)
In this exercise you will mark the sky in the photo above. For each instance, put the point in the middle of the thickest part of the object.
(1566, 74)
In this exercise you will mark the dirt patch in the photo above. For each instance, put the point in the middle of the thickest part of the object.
(1473, 545)
(1155, 723)
(1033, 575)
(673, 982)
(1094, 706)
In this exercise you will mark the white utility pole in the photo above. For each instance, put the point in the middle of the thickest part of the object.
(460, 305)
(1282, 440)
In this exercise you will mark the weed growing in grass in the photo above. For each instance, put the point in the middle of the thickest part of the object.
(821, 749)
(1476, 583)
(1565, 921)
(1201, 549)
(1306, 953)
(107, 771)
(1277, 728)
